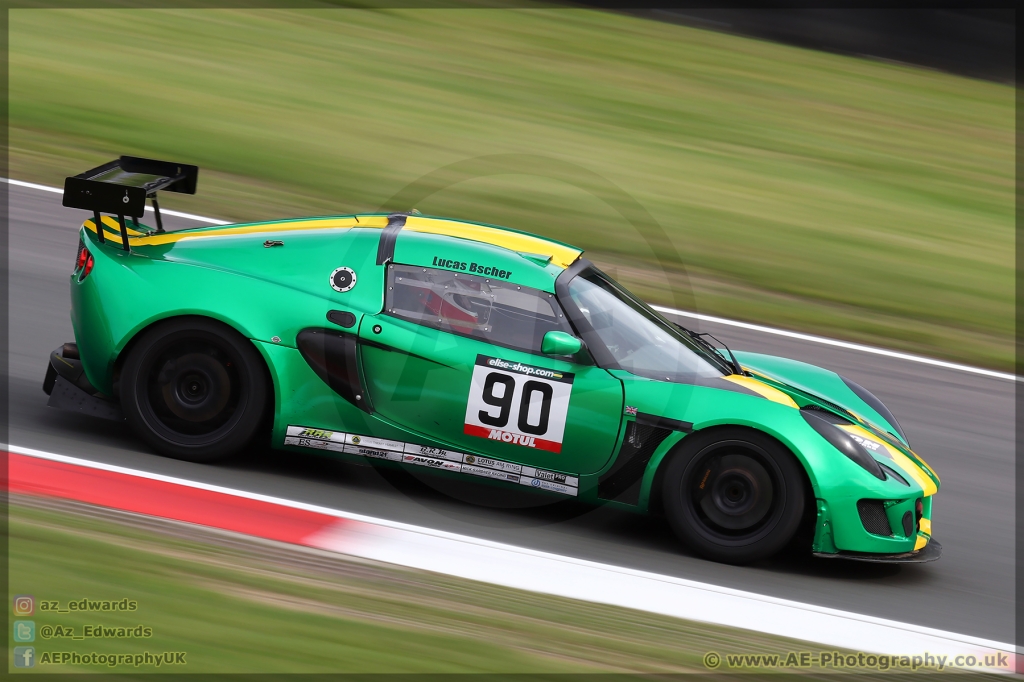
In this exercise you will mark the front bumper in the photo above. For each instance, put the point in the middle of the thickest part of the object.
(930, 552)
(841, 531)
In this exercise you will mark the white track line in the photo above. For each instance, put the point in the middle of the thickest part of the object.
(544, 572)
(684, 313)
(163, 211)
(841, 344)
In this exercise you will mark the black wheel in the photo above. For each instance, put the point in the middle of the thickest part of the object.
(194, 389)
(733, 495)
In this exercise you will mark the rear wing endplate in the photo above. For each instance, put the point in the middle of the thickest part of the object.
(122, 186)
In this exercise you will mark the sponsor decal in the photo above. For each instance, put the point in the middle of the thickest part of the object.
(313, 443)
(419, 460)
(427, 451)
(470, 266)
(518, 404)
(493, 463)
(555, 477)
(318, 439)
(316, 434)
(870, 445)
(435, 458)
(490, 473)
(375, 453)
(375, 443)
(506, 437)
(548, 485)
(630, 411)
(520, 368)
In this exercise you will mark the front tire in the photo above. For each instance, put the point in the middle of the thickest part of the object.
(194, 389)
(734, 495)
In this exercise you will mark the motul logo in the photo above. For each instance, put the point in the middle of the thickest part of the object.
(517, 438)
(511, 437)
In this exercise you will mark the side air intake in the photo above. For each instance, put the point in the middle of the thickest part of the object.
(622, 482)
(333, 356)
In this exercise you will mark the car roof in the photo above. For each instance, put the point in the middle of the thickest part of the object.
(525, 243)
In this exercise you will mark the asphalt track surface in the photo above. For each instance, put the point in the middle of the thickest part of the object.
(963, 424)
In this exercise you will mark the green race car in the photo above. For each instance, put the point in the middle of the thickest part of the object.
(484, 353)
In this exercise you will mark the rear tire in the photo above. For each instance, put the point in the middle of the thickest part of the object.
(194, 389)
(734, 495)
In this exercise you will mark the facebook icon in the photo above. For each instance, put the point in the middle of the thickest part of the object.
(24, 656)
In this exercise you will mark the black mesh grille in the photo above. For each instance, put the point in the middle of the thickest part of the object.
(622, 482)
(831, 404)
(831, 416)
(872, 515)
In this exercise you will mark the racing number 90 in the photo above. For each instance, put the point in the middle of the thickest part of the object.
(504, 403)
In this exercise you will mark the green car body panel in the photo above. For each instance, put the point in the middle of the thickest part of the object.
(417, 378)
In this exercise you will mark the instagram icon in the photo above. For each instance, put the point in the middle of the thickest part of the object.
(24, 605)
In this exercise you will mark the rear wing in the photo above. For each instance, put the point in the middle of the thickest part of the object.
(122, 186)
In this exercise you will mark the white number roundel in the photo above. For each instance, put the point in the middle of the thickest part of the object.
(519, 404)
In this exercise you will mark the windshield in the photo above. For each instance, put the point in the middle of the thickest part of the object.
(626, 334)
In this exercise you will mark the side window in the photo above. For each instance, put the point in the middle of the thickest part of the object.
(495, 311)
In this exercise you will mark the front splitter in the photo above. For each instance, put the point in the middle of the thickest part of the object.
(930, 552)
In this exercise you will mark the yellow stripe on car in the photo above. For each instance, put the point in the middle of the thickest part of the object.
(925, 465)
(926, 526)
(111, 228)
(764, 390)
(259, 228)
(905, 463)
(561, 255)
(921, 542)
(765, 376)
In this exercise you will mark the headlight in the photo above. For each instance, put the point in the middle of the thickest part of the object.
(842, 442)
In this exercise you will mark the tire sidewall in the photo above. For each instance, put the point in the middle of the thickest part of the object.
(790, 477)
(227, 439)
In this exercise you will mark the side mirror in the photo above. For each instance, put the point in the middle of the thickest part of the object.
(560, 343)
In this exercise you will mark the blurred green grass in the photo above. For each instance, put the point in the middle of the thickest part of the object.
(242, 605)
(842, 196)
